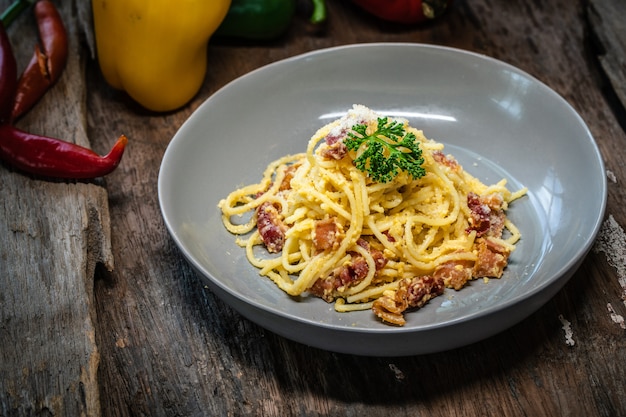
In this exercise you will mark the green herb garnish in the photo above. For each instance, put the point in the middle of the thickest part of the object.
(385, 151)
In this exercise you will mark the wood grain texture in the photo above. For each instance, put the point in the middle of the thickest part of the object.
(608, 23)
(168, 347)
(171, 347)
(53, 236)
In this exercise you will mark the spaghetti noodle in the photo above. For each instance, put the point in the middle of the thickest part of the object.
(316, 224)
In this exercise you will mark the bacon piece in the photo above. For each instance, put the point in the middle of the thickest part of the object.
(411, 293)
(333, 138)
(289, 173)
(455, 274)
(480, 214)
(349, 274)
(336, 148)
(344, 276)
(422, 289)
(487, 214)
(389, 237)
(492, 258)
(324, 288)
(447, 160)
(271, 227)
(353, 273)
(379, 257)
(327, 234)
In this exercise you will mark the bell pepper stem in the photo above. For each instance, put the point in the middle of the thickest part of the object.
(14, 10)
(319, 11)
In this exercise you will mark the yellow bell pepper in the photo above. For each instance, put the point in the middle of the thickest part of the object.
(156, 50)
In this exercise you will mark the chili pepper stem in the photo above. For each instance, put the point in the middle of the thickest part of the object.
(14, 10)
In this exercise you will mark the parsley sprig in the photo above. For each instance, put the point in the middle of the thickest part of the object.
(386, 151)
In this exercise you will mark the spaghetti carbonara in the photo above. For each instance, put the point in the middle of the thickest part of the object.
(316, 224)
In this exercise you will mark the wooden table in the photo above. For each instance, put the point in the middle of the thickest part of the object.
(101, 316)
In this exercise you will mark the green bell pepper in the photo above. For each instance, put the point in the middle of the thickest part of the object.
(264, 19)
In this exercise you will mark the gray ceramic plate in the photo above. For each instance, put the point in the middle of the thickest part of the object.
(497, 120)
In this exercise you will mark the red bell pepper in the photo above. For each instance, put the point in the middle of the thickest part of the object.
(404, 11)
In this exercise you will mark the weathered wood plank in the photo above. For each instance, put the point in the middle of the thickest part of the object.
(167, 346)
(46, 306)
(608, 23)
(53, 234)
(170, 347)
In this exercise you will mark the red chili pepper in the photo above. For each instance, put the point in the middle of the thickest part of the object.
(36, 154)
(8, 76)
(46, 66)
(52, 157)
(404, 11)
